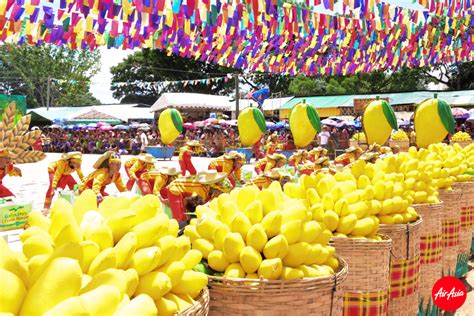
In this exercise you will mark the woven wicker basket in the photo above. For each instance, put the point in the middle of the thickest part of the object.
(309, 296)
(450, 223)
(430, 247)
(404, 267)
(367, 284)
(403, 144)
(200, 306)
(462, 144)
(466, 216)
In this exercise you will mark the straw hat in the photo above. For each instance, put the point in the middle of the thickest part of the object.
(277, 157)
(321, 161)
(193, 143)
(4, 153)
(170, 171)
(353, 149)
(210, 177)
(77, 155)
(385, 150)
(147, 158)
(234, 155)
(110, 156)
(275, 173)
(368, 156)
(374, 147)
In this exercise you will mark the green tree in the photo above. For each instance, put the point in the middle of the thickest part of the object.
(304, 86)
(456, 76)
(27, 70)
(277, 84)
(132, 78)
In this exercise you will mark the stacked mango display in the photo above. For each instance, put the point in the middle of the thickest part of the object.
(461, 137)
(122, 258)
(359, 137)
(262, 234)
(399, 135)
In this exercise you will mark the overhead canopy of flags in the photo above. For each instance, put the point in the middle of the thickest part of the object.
(309, 37)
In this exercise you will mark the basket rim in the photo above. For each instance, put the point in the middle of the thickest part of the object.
(414, 224)
(340, 274)
(199, 302)
(440, 203)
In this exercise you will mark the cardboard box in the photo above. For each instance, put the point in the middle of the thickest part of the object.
(13, 215)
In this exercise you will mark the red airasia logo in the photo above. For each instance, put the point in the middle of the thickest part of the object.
(449, 293)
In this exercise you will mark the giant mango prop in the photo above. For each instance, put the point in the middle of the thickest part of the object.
(251, 123)
(433, 121)
(378, 121)
(170, 124)
(304, 124)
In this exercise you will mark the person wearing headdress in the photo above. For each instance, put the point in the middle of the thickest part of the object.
(316, 153)
(298, 158)
(7, 168)
(162, 177)
(272, 143)
(369, 157)
(185, 154)
(270, 162)
(38, 144)
(137, 172)
(230, 163)
(200, 189)
(60, 174)
(264, 180)
(107, 171)
(352, 154)
(310, 168)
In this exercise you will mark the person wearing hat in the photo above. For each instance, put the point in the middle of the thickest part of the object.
(298, 158)
(60, 174)
(272, 143)
(374, 148)
(257, 149)
(7, 168)
(316, 153)
(352, 154)
(311, 168)
(395, 149)
(270, 162)
(230, 163)
(205, 186)
(107, 171)
(369, 157)
(137, 172)
(264, 180)
(185, 154)
(162, 178)
(38, 144)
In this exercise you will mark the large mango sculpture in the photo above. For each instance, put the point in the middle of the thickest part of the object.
(433, 121)
(170, 124)
(378, 121)
(251, 124)
(304, 124)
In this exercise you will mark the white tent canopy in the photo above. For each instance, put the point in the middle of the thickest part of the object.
(192, 101)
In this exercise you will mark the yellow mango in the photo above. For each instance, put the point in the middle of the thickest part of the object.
(37, 219)
(254, 212)
(247, 196)
(204, 246)
(113, 277)
(270, 269)
(218, 261)
(288, 273)
(180, 303)
(388, 207)
(139, 305)
(132, 281)
(219, 236)
(250, 259)
(174, 271)
(168, 247)
(166, 306)
(276, 247)
(206, 227)
(240, 224)
(297, 254)
(331, 220)
(233, 245)
(106, 259)
(155, 226)
(292, 230)
(235, 270)
(363, 227)
(324, 237)
(256, 237)
(191, 232)
(146, 260)
(120, 223)
(318, 212)
(191, 258)
(268, 199)
(310, 232)
(272, 223)
(346, 224)
(12, 292)
(191, 283)
(125, 249)
(154, 284)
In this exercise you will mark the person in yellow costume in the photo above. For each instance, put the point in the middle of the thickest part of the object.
(271, 144)
(60, 174)
(316, 153)
(185, 154)
(270, 162)
(7, 168)
(264, 180)
(310, 167)
(352, 154)
(162, 178)
(298, 158)
(369, 157)
(231, 164)
(138, 170)
(107, 171)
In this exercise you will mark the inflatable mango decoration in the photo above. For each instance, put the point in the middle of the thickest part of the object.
(378, 122)
(433, 121)
(170, 124)
(304, 124)
(251, 123)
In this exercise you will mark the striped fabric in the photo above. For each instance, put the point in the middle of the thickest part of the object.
(365, 304)
(430, 248)
(450, 230)
(467, 217)
(404, 277)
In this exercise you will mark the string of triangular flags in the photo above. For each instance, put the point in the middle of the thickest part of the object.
(183, 83)
(256, 35)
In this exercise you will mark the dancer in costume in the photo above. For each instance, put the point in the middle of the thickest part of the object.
(162, 178)
(60, 174)
(7, 168)
(264, 180)
(298, 158)
(270, 162)
(107, 171)
(201, 189)
(185, 154)
(316, 153)
(352, 154)
(137, 173)
(311, 168)
(231, 164)
(272, 143)
(257, 149)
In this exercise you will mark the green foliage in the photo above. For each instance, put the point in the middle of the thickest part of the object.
(25, 71)
(156, 66)
(304, 86)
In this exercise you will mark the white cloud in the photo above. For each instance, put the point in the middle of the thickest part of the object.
(100, 85)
